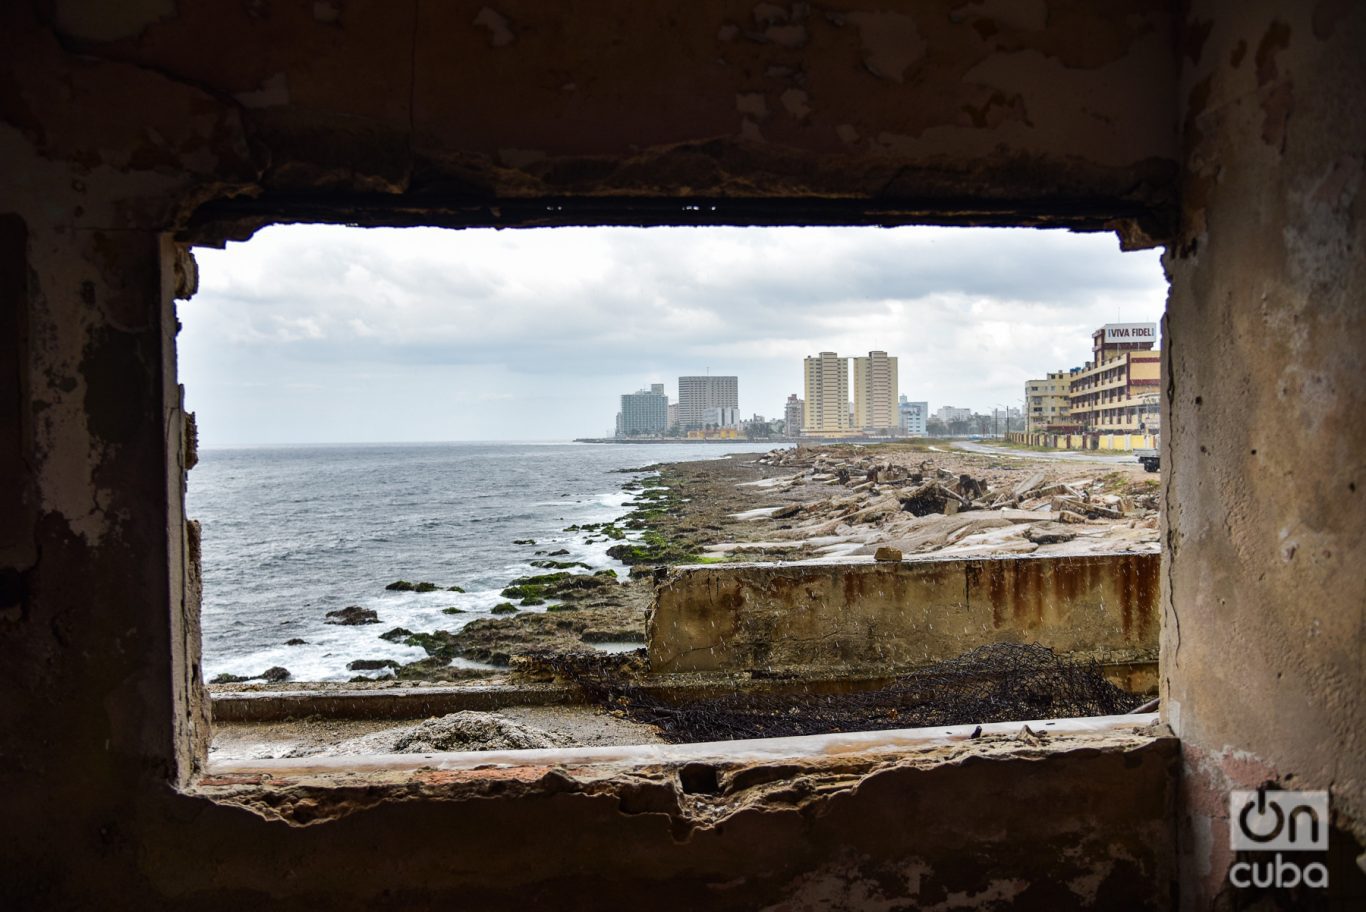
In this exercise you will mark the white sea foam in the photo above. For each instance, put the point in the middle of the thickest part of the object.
(291, 533)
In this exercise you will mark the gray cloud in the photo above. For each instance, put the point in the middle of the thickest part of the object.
(317, 333)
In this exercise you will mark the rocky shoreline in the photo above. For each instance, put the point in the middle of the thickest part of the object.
(827, 502)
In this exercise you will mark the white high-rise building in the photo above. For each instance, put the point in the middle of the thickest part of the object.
(875, 393)
(644, 412)
(825, 410)
(723, 416)
(697, 395)
(914, 416)
(949, 414)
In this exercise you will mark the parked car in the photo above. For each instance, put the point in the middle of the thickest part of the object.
(1151, 459)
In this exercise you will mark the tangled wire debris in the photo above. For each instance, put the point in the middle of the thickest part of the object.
(995, 683)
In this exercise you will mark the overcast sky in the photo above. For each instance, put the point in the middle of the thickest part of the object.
(314, 334)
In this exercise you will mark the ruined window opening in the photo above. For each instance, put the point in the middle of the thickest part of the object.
(988, 578)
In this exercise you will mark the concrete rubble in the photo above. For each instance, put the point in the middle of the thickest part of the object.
(844, 501)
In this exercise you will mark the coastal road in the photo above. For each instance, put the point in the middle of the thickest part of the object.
(1078, 456)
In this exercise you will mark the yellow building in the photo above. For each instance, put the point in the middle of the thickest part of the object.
(875, 393)
(1046, 401)
(825, 411)
(1117, 391)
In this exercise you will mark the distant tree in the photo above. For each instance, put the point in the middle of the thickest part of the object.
(935, 427)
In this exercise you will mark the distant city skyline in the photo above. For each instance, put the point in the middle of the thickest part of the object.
(326, 334)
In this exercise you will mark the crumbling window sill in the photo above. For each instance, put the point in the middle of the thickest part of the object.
(695, 783)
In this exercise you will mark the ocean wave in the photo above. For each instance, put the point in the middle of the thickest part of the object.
(357, 518)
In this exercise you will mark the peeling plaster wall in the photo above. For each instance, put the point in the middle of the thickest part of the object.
(124, 124)
(977, 112)
(1265, 619)
(874, 618)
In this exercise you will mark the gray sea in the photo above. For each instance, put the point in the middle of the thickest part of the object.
(292, 532)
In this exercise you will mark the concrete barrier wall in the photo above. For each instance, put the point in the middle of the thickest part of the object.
(879, 617)
(1122, 442)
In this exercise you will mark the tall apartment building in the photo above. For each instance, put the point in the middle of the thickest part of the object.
(875, 393)
(696, 395)
(1115, 392)
(1047, 401)
(914, 416)
(792, 416)
(826, 407)
(643, 412)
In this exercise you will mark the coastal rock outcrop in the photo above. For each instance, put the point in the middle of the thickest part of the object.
(371, 664)
(353, 615)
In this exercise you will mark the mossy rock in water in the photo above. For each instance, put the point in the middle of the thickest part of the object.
(396, 635)
(454, 589)
(608, 572)
(524, 541)
(560, 565)
(435, 668)
(295, 641)
(531, 586)
(400, 586)
(275, 675)
(437, 643)
(612, 532)
(352, 616)
(452, 610)
(226, 678)
(371, 664)
(426, 587)
(654, 548)
(503, 608)
(558, 608)
(529, 602)
(555, 585)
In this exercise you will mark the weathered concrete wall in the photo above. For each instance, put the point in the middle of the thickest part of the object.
(976, 112)
(871, 617)
(119, 122)
(1265, 617)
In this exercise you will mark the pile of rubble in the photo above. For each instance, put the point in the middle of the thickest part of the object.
(918, 504)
